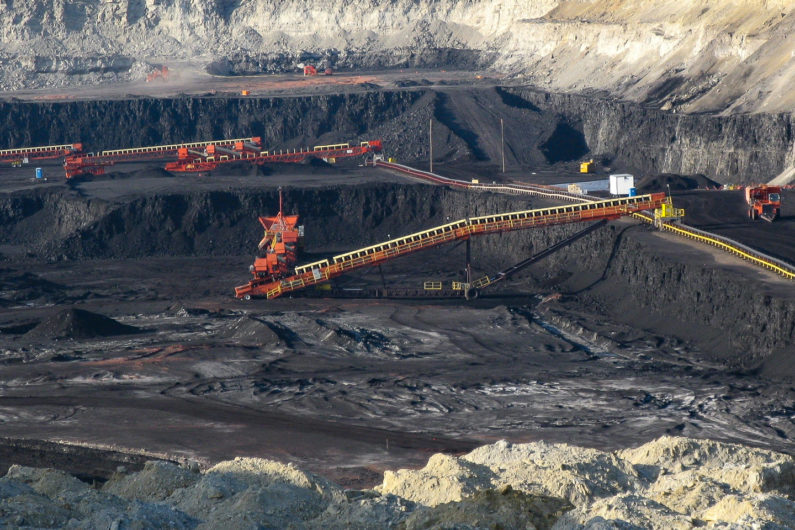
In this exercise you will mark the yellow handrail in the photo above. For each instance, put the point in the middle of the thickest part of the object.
(728, 247)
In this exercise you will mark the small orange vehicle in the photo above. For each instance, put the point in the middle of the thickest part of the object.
(764, 202)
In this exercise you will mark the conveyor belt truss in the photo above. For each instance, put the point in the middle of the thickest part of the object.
(40, 153)
(198, 162)
(324, 270)
(96, 162)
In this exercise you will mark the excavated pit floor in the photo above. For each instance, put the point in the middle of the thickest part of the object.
(349, 387)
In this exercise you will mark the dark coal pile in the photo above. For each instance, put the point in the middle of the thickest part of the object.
(310, 166)
(148, 172)
(248, 330)
(317, 162)
(20, 329)
(19, 287)
(86, 463)
(675, 182)
(75, 323)
(241, 169)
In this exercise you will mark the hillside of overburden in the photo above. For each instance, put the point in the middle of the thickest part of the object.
(699, 56)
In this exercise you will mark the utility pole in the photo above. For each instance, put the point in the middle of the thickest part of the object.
(430, 141)
(502, 142)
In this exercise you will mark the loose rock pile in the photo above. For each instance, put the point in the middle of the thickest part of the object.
(667, 483)
(75, 323)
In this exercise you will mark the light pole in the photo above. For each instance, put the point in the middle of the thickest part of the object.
(502, 143)
(430, 141)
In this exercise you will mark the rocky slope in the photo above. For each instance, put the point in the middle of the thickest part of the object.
(541, 128)
(705, 56)
(57, 226)
(667, 483)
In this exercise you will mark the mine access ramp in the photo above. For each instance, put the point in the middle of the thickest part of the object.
(324, 270)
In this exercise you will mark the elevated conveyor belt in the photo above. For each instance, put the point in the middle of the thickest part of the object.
(751, 255)
(731, 246)
(536, 190)
(154, 151)
(96, 162)
(192, 164)
(40, 153)
(324, 270)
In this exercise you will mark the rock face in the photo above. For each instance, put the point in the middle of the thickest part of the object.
(667, 483)
(58, 226)
(705, 56)
(742, 148)
(541, 128)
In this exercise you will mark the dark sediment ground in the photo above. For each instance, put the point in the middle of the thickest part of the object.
(621, 337)
(624, 335)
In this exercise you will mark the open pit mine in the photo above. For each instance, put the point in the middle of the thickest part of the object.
(423, 264)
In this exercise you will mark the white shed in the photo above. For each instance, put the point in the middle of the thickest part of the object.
(621, 183)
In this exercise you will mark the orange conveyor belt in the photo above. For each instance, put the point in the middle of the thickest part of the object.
(322, 271)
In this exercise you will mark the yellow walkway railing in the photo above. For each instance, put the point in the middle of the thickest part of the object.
(733, 247)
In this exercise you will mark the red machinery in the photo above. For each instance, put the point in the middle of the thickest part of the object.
(763, 202)
(40, 153)
(159, 73)
(191, 161)
(204, 156)
(278, 250)
(310, 70)
(80, 165)
(276, 282)
(95, 163)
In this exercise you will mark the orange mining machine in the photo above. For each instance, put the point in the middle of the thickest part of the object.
(278, 250)
(196, 161)
(20, 154)
(158, 73)
(764, 202)
(275, 273)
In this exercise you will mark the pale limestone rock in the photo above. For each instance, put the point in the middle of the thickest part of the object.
(716, 54)
(252, 491)
(754, 510)
(669, 483)
(155, 482)
(444, 479)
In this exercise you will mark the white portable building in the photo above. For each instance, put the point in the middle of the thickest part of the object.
(621, 183)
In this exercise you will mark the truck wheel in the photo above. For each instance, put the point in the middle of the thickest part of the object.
(247, 297)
